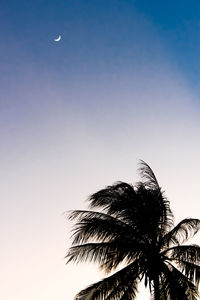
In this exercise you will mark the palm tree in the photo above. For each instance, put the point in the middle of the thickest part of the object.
(129, 231)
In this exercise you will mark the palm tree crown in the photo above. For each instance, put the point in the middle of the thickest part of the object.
(129, 230)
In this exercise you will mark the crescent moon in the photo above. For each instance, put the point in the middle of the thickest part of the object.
(58, 39)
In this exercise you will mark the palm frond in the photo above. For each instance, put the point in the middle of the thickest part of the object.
(91, 252)
(189, 253)
(119, 200)
(128, 293)
(186, 229)
(150, 183)
(154, 217)
(97, 226)
(115, 286)
(123, 255)
(178, 286)
(148, 176)
(107, 255)
(190, 270)
(79, 215)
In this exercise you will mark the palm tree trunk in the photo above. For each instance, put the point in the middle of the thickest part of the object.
(156, 288)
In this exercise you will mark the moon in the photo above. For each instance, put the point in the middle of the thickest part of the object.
(58, 39)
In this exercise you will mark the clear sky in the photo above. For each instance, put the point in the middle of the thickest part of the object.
(77, 115)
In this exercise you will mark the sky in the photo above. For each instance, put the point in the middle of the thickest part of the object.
(78, 115)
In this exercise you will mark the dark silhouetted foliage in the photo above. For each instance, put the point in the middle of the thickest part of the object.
(129, 231)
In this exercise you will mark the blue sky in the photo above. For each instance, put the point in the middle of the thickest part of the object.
(121, 85)
(178, 23)
(98, 31)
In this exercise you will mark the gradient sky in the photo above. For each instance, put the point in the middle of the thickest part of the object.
(75, 116)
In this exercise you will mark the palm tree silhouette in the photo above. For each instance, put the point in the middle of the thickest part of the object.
(133, 237)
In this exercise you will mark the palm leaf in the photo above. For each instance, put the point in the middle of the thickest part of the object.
(97, 226)
(178, 286)
(148, 176)
(191, 271)
(150, 182)
(92, 252)
(190, 253)
(106, 198)
(119, 200)
(116, 286)
(186, 229)
(107, 255)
